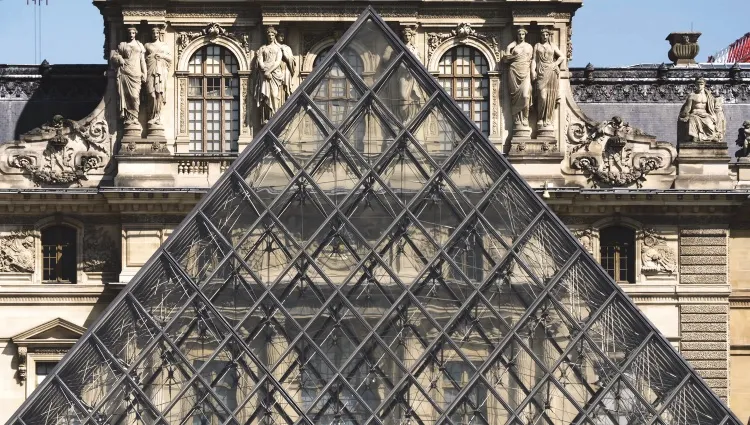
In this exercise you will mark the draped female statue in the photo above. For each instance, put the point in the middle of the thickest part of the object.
(270, 77)
(158, 62)
(518, 56)
(131, 74)
(545, 71)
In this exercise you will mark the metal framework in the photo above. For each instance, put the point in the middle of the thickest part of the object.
(386, 266)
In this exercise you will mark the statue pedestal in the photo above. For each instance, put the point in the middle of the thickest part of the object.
(535, 158)
(144, 170)
(703, 166)
(743, 173)
(545, 132)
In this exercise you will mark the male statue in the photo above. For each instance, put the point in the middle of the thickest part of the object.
(545, 71)
(131, 74)
(269, 79)
(518, 56)
(158, 62)
(700, 118)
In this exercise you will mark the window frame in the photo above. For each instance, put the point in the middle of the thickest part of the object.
(450, 72)
(620, 239)
(72, 251)
(228, 74)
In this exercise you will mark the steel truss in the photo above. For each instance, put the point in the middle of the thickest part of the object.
(372, 259)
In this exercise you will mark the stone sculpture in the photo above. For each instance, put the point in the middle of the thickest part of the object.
(409, 34)
(158, 63)
(701, 120)
(270, 76)
(518, 56)
(743, 138)
(545, 72)
(129, 58)
(288, 65)
(17, 252)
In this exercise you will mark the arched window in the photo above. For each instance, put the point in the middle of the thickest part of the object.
(213, 100)
(618, 252)
(59, 254)
(335, 95)
(462, 72)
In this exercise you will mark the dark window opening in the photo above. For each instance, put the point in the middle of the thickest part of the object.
(618, 253)
(59, 254)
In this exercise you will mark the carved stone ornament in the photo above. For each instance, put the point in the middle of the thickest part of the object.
(98, 254)
(656, 256)
(17, 252)
(684, 47)
(614, 154)
(212, 31)
(61, 152)
(462, 32)
(586, 237)
(22, 355)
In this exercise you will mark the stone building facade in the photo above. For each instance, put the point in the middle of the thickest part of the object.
(99, 164)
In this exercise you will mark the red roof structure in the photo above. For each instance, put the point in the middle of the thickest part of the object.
(739, 51)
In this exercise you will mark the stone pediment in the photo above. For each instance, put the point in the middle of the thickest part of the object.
(613, 153)
(58, 332)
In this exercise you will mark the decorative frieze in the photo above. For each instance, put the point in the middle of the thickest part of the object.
(642, 92)
(17, 252)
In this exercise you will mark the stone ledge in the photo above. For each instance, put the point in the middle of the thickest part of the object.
(717, 346)
(702, 240)
(689, 260)
(704, 318)
(705, 355)
(703, 250)
(703, 270)
(704, 336)
(705, 309)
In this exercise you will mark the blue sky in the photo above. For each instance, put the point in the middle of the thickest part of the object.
(606, 32)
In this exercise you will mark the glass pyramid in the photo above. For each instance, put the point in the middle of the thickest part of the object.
(372, 259)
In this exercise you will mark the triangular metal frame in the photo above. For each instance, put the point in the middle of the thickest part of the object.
(529, 265)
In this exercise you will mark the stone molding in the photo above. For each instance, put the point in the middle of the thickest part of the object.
(211, 33)
(656, 84)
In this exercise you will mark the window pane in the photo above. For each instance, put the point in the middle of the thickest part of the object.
(213, 87)
(195, 86)
(230, 63)
(463, 74)
(231, 125)
(213, 59)
(195, 123)
(195, 64)
(231, 87)
(213, 126)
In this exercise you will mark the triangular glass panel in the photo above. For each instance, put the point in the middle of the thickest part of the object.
(372, 259)
(403, 94)
(335, 95)
(370, 49)
(371, 134)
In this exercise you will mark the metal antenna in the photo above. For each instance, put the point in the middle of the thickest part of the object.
(37, 28)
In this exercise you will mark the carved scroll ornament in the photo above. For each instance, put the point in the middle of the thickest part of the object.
(212, 31)
(462, 32)
(63, 151)
(614, 154)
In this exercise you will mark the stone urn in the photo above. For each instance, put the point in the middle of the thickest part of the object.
(684, 47)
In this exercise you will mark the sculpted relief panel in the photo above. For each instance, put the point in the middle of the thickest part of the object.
(17, 252)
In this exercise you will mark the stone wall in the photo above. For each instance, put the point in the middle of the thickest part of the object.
(703, 256)
(705, 330)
